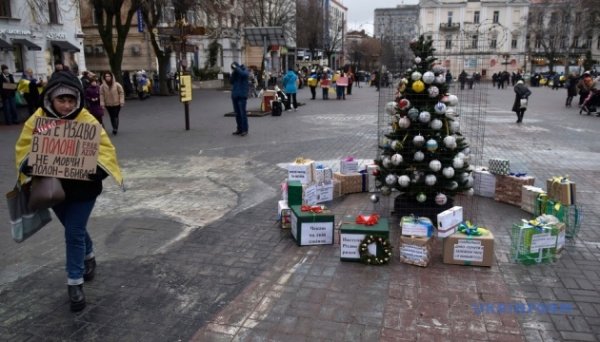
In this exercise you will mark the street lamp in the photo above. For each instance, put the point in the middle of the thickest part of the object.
(506, 56)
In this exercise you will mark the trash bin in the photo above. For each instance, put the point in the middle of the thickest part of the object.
(268, 96)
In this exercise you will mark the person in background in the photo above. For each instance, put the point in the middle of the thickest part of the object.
(571, 86)
(239, 97)
(30, 89)
(521, 93)
(127, 86)
(8, 88)
(313, 81)
(86, 79)
(290, 86)
(92, 100)
(350, 76)
(112, 97)
(63, 99)
(584, 86)
(325, 85)
(341, 84)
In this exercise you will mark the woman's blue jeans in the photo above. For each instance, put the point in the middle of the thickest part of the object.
(74, 217)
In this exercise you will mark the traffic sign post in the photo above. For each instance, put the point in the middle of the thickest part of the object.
(185, 93)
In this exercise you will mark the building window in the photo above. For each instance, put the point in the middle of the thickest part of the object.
(476, 17)
(578, 17)
(496, 18)
(449, 18)
(94, 17)
(538, 42)
(474, 42)
(52, 12)
(513, 43)
(563, 42)
(448, 43)
(493, 43)
(5, 8)
(588, 43)
(18, 53)
(576, 41)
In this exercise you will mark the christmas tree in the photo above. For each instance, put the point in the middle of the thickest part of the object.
(423, 155)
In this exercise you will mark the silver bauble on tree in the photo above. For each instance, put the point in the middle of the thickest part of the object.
(440, 108)
(391, 107)
(417, 60)
(404, 122)
(419, 156)
(413, 114)
(436, 124)
(435, 165)
(424, 117)
(415, 76)
(418, 140)
(386, 162)
(441, 199)
(450, 142)
(433, 91)
(430, 180)
(448, 172)
(397, 159)
(428, 77)
(403, 181)
(390, 179)
(458, 163)
(421, 197)
(374, 198)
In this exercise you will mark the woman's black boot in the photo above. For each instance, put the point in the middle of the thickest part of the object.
(77, 297)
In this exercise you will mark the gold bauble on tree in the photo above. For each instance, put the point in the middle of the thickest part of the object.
(418, 86)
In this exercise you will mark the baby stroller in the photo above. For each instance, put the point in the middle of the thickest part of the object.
(591, 103)
(278, 102)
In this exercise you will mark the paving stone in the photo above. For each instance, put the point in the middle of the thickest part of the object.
(577, 336)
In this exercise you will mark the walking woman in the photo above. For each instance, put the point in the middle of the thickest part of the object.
(521, 93)
(112, 97)
(63, 99)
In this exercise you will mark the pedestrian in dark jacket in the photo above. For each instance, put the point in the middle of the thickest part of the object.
(571, 89)
(521, 93)
(8, 88)
(92, 100)
(239, 97)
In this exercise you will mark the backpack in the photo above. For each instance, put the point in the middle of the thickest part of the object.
(276, 108)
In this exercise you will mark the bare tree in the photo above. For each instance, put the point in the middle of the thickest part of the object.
(309, 25)
(560, 29)
(114, 19)
(334, 37)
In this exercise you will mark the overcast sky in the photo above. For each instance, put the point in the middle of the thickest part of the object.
(361, 12)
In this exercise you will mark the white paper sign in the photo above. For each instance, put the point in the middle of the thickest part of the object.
(324, 193)
(301, 172)
(294, 226)
(468, 250)
(316, 233)
(414, 229)
(544, 240)
(349, 244)
(560, 240)
(413, 253)
(310, 195)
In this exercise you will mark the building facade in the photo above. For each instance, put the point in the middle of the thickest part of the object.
(395, 28)
(484, 36)
(37, 37)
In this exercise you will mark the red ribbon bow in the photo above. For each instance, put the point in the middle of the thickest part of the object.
(370, 220)
(312, 208)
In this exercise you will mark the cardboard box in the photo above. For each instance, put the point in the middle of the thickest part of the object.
(309, 194)
(348, 166)
(448, 220)
(351, 235)
(484, 183)
(509, 188)
(284, 214)
(301, 170)
(324, 192)
(416, 250)
(350, 183)
(337, 188)
(534, 244)
(416, 226)
(323, 175)
(310, 228)
(529, 195)
(561, 189)
(460, 249)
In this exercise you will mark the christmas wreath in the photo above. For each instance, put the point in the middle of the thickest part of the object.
(384, 250)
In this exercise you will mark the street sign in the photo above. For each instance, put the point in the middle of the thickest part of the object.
(185, 88)
(140, 21)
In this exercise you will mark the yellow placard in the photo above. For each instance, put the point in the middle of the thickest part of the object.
(185, 89)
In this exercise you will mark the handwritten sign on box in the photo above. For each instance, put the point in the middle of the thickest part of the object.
(64, 148)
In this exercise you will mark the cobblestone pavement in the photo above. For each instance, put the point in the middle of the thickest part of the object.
(192, 250)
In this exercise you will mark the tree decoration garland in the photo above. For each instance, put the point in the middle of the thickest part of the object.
(383, 250)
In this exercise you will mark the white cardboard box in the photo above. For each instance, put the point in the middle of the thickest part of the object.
(302, 172)
(448, 220)
(324, 192)
(484, 183)
(347, 167)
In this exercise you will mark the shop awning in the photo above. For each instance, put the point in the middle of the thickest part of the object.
(4, 45)
(65, 45)
(26, 43)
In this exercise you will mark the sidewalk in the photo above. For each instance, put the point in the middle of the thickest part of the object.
(192, 250)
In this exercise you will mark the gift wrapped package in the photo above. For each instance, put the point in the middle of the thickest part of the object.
(372, 169)
(353, 233)
(529, 195)
(416, 226)
(348, 165)
(350, 183)
(570, 215)
(499, 166)
(324, 192)
(337, 188)
(284, 190)
(294, 192)
(561, 231)
(469, 246)
(323, 174)
(561, 189)
(416, 250)
(533, 242)
(312, 225)
(508, 188)
(302, 170)
(448, 221)
(284, 214)
(484, 182)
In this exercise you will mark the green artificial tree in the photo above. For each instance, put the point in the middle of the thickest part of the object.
(423, 155)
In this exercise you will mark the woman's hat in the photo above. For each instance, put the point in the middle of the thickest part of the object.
(62, 90)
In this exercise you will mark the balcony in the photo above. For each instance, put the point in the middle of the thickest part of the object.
(449, 26)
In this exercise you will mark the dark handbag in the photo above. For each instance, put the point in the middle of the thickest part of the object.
(24, 222)
(46, 192)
